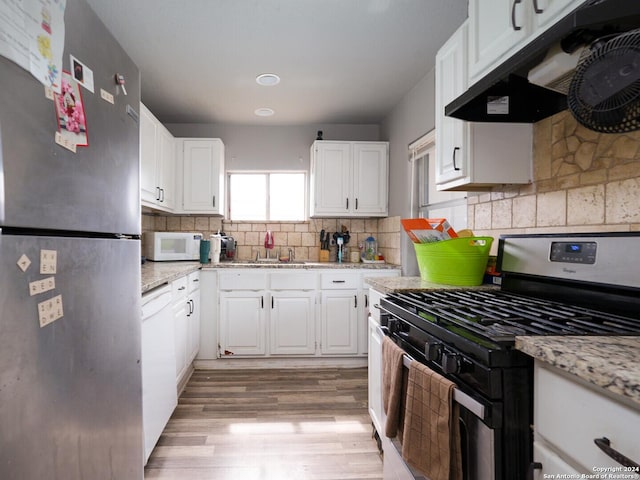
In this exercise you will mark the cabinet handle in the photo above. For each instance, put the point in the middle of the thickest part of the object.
(214, 200)
(347, 203)
(337, 281)
(271, 303)
(356, 203)
(604, 444)
(262, 301)
(536, 8)
(162, 193)
(355, 301)
(513, 15)
(455, 167)
(158, 194)
(193, 306)
(366, 301)
(533, 466)
(181, 288)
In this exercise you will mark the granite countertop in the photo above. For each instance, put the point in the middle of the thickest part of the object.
(155, 274)
(414, 284)
(611, 363)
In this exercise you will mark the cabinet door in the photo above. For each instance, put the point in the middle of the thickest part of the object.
(331, 181)
(203, 185)
(292, 323)
(242, 323)
(193, 321)
(549, 12)
(495, 27)
(167, 167)
(375, 375)
(452, 156)
(370, 179)
(149, 187)
(339, 323)
(181, 336)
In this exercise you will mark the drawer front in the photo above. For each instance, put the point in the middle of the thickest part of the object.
(243, 281)
(294, 281)
(193, 280)
(570, 416)
(339, 281)
(179, 287)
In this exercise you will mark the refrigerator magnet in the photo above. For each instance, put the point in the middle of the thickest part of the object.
(72, 124)
(82, 74)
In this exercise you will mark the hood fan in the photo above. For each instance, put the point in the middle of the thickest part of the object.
(604, 94)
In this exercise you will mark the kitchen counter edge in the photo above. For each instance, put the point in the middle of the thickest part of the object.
(155, 274)
(609, 362)
(388, 285)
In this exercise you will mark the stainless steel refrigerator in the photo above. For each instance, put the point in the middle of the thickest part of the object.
(70, 391)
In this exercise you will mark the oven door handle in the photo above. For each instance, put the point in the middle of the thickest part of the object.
(459, 396)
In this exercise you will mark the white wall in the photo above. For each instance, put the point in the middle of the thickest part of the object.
(272, 147)
(409, 120)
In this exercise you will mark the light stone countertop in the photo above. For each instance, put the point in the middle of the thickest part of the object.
(155, 274)
(611, 362)
(414, 284)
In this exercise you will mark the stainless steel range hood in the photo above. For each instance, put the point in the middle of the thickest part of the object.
(528, 103)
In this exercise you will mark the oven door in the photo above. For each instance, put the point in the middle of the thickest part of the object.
(478, 440)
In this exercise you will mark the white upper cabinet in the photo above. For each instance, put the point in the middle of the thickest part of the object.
(474, 156)
(202, 170)
(499, 28)
(157, 163)
(349, 179)
(451, 133)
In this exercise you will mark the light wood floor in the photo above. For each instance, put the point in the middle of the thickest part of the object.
(269, 425)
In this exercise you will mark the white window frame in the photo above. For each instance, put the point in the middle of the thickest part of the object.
(267, 173)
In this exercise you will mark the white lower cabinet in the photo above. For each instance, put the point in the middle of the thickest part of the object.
(186, 318)
(286, 312)
(568, 416)
(242, 323)
(375, 375)
(180, 308)
(292, 323)
(339, 322)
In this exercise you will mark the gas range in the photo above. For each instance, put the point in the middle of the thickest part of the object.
(585, 284)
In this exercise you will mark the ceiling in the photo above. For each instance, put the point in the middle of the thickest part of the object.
(340, 61)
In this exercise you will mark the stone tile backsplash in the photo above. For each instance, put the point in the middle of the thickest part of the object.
(584, 181)
(302, 237)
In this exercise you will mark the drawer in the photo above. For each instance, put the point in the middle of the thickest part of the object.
(179, 287)
(339, 280)
(193, 280)
(243, 281)
(570, 415)
(294, 281)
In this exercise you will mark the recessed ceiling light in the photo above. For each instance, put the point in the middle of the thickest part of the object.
(268, 79)
(264, 112)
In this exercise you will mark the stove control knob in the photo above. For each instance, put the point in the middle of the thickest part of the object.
(433, 351)
(451, 362)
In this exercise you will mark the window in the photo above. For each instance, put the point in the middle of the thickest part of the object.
(267, 196)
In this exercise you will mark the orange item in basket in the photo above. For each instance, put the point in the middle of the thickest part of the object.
(427, 230)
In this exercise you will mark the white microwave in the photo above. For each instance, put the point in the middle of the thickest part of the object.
(172, 246)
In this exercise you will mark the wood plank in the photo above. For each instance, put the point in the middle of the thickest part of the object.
(275, 424)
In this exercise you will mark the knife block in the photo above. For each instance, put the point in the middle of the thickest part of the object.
(324, 255)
